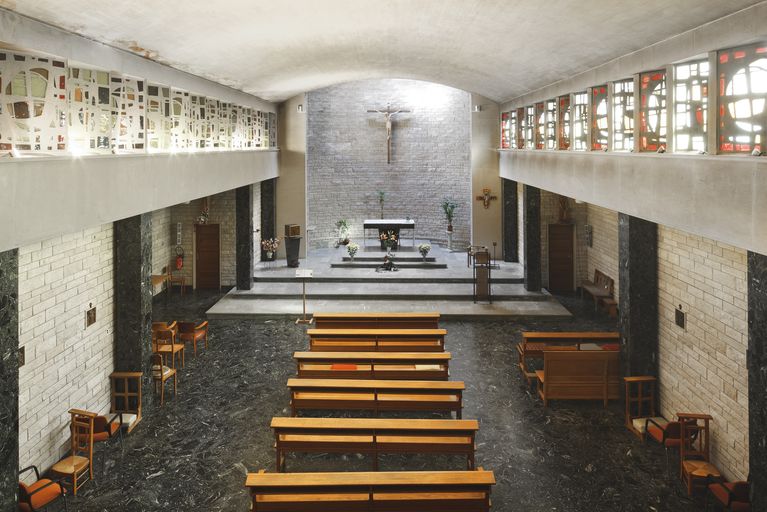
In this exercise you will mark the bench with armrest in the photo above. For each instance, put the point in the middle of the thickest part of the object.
(534, 343)
(425, 320)
(373, 436)
(377, 340)
(579, 375)
(373, 365)
(390, 491)
(601, 290)
(376, 395)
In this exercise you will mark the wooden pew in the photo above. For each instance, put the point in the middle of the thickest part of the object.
(376, 395)
(425, 320)
(373, 365)
(534, 343)
(580, 375)
(373, 436)
(377, 340)
(390, 491)
(601, 290)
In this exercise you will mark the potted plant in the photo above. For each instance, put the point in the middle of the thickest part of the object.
(343, 231)
(449, 206)
(381, 198)
(424, 250)
(388, 239)
(270, 245)
(352, 249)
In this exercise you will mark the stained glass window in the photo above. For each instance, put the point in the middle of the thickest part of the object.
(563, 121)
(90, 110)
(129, 113)
(199, 125)
(580, 121)
(690, 106)
(158, 118)
(742, 97)
(33, 110)
(599, 118)
(513, 128)
(623, 115)
(521, 127)
(505, 129)
(212, 123)
(551, 125)
(540, 125)
(530, 127)
(652, 111)
(272, 130)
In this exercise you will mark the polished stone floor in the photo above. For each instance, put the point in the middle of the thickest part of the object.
(193, 453)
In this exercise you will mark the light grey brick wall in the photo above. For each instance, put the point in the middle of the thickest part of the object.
(67, 366)
(346, 157)
(163, 243)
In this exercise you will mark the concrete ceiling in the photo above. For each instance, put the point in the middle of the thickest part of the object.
(501, 49)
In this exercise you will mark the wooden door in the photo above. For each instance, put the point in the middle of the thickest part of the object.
(561, 257)
(207, 266)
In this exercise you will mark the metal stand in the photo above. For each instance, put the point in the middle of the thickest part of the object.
(304, 274)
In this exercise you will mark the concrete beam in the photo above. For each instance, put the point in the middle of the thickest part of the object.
(719, 197)
(43, 197)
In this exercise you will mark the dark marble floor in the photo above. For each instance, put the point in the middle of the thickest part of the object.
(193, 453)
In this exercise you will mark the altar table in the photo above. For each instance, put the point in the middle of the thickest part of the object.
(387, 224)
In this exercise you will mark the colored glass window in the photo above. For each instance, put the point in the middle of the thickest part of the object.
(513, 128)
(540, 125)
(551, 125)
(742, 97)
(580, 121)
(690, 106)
(599, 128)
(652, 112)
(623, 115)
(530, 127)
(505, 130)
(563, 122)
(521, 126)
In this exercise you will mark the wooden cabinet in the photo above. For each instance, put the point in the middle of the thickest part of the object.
(561, 257)
(208, 256)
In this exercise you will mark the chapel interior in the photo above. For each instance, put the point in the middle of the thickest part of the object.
(450, 255)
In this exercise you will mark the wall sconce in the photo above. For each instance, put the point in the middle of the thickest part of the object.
(300, 108)
(477, 108)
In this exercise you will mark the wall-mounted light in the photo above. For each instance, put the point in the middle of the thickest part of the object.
(477, 108)
(300, 108)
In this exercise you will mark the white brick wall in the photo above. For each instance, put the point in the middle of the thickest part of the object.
(603, 254)
(66, 366)
(703, 367)
(163, 242)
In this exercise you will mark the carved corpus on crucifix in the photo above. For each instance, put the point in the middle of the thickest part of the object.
(486, 198)
(388, 114)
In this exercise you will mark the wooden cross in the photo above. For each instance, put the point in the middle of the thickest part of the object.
(388, 114)
(486, 198)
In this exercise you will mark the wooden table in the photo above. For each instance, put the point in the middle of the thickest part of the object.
(388, 225)
(377, 340)
(373, 365)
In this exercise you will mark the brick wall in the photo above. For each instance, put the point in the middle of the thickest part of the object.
(346, 157)
(603, 254)
(222, 211)
(703, 367)
(163, 242)
(67, 365)
(550, 215)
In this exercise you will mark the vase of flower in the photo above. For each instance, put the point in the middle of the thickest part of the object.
(352, 249)
(269, 246)
(269, 255)
(424, 250)
(388, 239)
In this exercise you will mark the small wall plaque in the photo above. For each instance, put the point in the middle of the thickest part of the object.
(90, 316)
(681, 317)
(22, 357)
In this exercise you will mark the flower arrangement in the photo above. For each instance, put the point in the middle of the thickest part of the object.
(352, 249)
(270, 244)
(424, 249)
(449, 206)
(343, 231)
(388, 238)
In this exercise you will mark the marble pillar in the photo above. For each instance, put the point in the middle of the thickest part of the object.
(244, 237)
(638, 300)
(9, 379)
(532, 199)
(756, 361)
(510, 221)
(268, 210)
(133, 297)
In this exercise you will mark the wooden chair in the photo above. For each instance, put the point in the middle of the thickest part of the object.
(189, 332)
(125, 390)
(79, 465)
(729, 496)
(640, 404)
(41, 493)
(694, 450)
(164, 343)
(161, 373)
(175, 279)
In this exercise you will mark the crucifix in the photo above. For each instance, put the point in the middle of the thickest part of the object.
(486, 198)
(388, 114)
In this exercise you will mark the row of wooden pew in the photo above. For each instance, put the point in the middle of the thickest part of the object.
(357, 362)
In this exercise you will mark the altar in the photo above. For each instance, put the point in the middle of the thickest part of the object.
(382, 225)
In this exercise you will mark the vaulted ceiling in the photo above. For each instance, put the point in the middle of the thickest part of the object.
(275, 49)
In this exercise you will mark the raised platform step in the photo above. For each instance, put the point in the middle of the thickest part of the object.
(389, 277)
(398, 262)
(397, 259)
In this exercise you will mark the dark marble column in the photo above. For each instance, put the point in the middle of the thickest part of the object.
(532, 199)
(133, 297)
(9, 379)
(510, 221)
(756, 360)
(268, 210)
(638, 300)
(244, 237)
